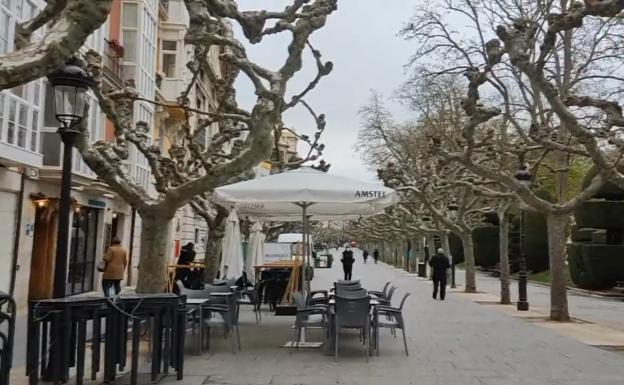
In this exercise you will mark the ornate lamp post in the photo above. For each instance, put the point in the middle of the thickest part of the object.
(453, 210)
(423, 273)
(70, 84)
(523, 175)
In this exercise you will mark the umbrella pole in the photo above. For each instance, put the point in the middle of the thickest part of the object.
(306, 278)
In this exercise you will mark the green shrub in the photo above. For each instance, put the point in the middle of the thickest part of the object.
(486, 246)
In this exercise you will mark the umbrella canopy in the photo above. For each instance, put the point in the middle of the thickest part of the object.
(330, 196)
(255, 256)
(232, 255)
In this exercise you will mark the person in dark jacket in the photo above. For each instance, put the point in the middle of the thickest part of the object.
(347, 263)
(187, 256)
(376, 255)
(365, 256)
(439, 263)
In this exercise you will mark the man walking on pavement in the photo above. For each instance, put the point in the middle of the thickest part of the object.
(365, 256)
(439, 263)
(376, 255)
(347, 262)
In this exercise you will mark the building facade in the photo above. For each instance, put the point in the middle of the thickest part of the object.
(142, 41)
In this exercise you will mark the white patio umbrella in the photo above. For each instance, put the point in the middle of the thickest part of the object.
(255, 251)
(304, 194)
(232, 255)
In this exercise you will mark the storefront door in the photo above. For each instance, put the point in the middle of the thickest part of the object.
(84, 235)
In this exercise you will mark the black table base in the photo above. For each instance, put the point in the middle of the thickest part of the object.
(58, 333)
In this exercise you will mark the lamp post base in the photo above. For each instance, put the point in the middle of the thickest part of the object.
(522, 306)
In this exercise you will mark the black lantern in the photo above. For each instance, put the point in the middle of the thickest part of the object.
(453, 210)
(70, 84)
(523, 175)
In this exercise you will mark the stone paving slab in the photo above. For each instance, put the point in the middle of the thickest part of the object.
(457, 341)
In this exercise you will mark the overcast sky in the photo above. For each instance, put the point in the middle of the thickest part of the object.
(360, 38)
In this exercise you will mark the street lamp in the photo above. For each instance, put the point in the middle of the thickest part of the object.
(453, 210)
(523, 175)
(70, 84)
(423, 272)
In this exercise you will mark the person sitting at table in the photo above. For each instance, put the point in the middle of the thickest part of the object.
(187, 255)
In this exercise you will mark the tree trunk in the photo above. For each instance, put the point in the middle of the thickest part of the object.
(469, 263)
(503, 234)
(556, 251)
(155, 231)
(432, 251)
(213, 256)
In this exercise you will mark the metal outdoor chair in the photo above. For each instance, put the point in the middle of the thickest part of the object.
(252, 297)
(318, 297)
(229, 313)
(382, 293)
(351, 293)
(393, 320)
(308, 316)
(388, 298)
(346, 287)
(352, 313)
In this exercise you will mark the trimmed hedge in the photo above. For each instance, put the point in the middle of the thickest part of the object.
(486, 246)
(596, 254)
(600, 214)
(457, 250)
(594, 266)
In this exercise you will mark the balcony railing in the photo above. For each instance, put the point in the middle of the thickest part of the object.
(112, 60)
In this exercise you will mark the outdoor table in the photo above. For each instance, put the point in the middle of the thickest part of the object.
(198, 304)
(171, 272)
(162, 311)
(57, 337)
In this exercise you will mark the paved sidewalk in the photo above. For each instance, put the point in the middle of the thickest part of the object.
(456, 341)
(451, 342)
(606, 312)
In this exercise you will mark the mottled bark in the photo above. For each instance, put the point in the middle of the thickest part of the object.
(556, 251)
(469, 263)
(213, 256)
(503, 235)
(155, 232)
(64, 37)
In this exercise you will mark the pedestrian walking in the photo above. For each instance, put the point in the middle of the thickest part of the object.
(347, 262)
(115, 260)
(439, 263)
(376, 255)
(365, 256)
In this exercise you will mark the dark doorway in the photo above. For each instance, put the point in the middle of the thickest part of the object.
(84, 235)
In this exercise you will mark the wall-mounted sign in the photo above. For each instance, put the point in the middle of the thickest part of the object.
(96, 203)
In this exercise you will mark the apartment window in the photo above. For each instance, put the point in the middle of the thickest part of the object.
(196, 236)
(22, 125)
(51, 148)
(169, 50)
(12, 121)
(129, 24)
(34, 131)
(4, 32)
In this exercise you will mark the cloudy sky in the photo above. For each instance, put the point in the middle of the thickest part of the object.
(360, 38)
